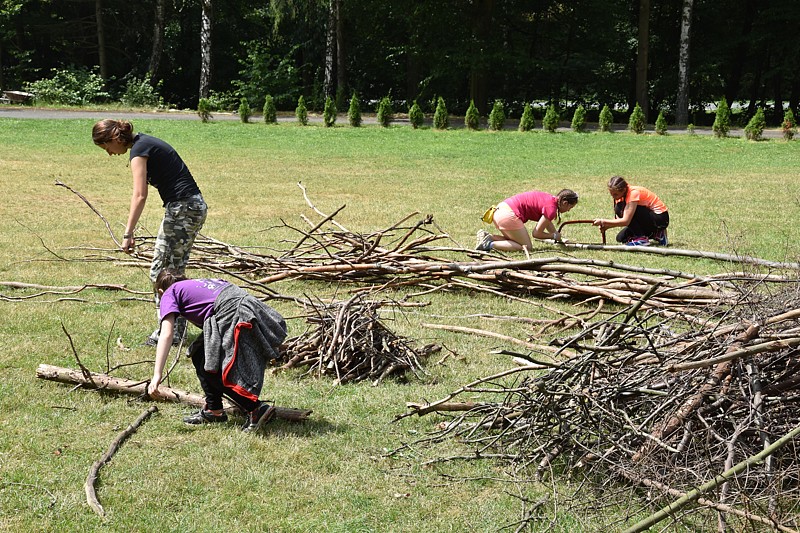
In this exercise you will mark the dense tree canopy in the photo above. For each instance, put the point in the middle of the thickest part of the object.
(518, 51)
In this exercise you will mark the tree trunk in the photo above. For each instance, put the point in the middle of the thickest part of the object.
(740, 52)
(330, 49)
(101, 39)
(478, 82)
(205, 48)
(158, 42)
(642, 58)
(682, 105)
(777, 87)
(341, 70)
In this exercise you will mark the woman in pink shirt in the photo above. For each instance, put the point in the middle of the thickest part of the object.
(512, 214)
(639, 212)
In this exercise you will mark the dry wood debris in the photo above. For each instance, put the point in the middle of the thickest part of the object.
(662, 410)
(348, 341)
(693, 374)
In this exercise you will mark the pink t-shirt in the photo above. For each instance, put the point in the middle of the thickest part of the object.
(192, 299)
(532, 205)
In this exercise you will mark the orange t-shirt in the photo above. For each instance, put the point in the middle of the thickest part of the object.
(645, 198)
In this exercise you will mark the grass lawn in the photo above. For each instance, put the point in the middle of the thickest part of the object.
(332, 472)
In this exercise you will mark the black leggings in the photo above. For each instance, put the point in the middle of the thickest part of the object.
(211, 382)
(645, 223)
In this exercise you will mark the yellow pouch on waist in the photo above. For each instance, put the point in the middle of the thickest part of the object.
(488, 216)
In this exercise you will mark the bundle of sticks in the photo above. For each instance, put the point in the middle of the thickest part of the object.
(348, 341)
(659, 409)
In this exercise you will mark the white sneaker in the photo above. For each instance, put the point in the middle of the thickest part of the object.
(483, 241)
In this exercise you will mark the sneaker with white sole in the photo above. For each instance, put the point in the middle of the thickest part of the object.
(204, 417)
(483, 241)
(638, 241)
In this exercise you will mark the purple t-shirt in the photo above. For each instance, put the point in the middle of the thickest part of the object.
(532, 205)
(192, 299)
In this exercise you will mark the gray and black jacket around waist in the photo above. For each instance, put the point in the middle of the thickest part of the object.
(240, 338)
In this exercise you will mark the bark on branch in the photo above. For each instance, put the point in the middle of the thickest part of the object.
(94, 471)
(139, 388)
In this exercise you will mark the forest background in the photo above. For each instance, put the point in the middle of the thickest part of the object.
(675, 56)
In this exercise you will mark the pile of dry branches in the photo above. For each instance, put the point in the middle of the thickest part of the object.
(348, 341)
(413, 256)
(662, 410)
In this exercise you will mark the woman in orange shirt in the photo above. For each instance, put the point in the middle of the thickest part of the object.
(641, 214)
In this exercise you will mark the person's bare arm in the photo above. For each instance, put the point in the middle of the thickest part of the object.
(544, 229)
(627, 216)
(162, 351)
(138, 200)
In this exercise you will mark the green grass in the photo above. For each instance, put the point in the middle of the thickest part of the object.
(330, 473)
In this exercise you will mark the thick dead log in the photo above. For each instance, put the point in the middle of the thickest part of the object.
(138, 388)
(94, 471)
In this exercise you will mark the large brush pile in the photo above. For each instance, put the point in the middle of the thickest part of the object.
(657, 409)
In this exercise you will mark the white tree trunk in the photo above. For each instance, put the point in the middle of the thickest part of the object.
(682, 105)
(330, 49)
(205, 48)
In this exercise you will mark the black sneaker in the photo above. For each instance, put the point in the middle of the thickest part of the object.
(258, 418)
(204, 417)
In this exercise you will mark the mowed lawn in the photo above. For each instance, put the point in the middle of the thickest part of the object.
(333, 472)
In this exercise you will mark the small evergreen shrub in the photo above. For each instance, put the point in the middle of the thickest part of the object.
(270, 113)
(497, 116)
(244, 111)
(722, 121)
(329, 113)
(789, 125)
(606, 119)
(579, 119)
(384, 112)
(550, 120)
(527, 122)
(415, 116)
(636, 122)
(301, 112)
(472, 120)
(755, 128)
(139, 93)
(354, 112)
(661, 124)
(441, 120)
(204, 109)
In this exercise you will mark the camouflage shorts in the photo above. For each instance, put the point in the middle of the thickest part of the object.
(183, 220)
